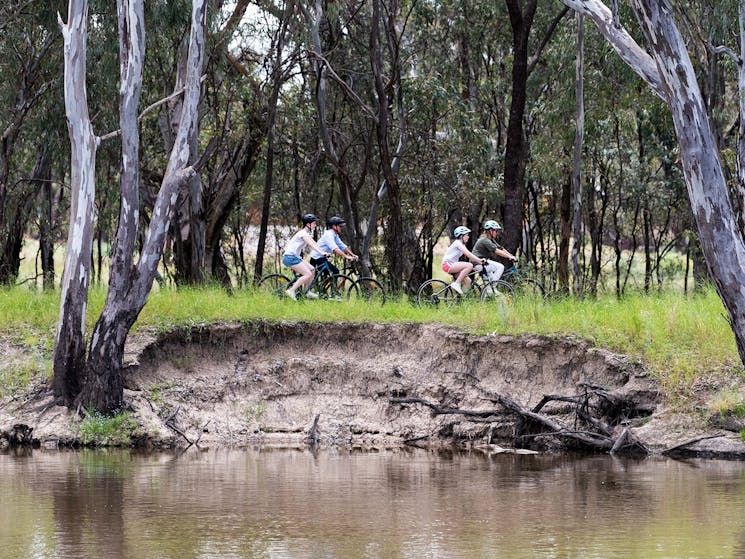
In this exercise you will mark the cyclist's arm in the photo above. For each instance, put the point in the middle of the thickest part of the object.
(505, 254)
(314, 245)
(471, 256)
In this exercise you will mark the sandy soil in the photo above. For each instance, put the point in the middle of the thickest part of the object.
(289, 383)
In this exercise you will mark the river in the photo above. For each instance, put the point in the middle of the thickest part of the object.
(347, 505)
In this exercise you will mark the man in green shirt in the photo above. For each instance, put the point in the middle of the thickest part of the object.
(487, 247)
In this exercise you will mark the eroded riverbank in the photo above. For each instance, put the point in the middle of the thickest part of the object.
(384, 385)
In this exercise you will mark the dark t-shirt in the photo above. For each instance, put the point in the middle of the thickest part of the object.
(484, 248)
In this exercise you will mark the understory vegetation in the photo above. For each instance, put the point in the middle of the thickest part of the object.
(683, 340)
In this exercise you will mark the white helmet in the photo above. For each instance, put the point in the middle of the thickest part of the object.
(491, 224)
(460, 231)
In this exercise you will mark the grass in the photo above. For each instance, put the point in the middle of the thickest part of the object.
(101, 430)
(681, 339)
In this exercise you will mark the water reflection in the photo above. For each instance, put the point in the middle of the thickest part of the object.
(393, 504)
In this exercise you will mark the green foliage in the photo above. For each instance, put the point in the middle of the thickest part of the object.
(102, 430)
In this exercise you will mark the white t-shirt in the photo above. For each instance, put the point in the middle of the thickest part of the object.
(454, 252)
(297, 243)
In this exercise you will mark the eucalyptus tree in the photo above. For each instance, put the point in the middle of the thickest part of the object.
(522, 15)
(96, 382)
(666, 67)
(365, 145)
(28, 60)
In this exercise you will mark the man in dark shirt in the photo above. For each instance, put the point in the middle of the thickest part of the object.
(487, 247)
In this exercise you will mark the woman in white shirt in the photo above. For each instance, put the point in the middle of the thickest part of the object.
(293, 256)
(451, 263)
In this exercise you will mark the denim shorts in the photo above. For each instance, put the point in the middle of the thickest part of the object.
(290, 260)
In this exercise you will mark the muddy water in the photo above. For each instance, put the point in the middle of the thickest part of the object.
(392, 504)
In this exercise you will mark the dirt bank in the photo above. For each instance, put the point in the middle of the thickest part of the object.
(383, 385)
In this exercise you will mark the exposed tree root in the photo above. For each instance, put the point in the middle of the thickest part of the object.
(592, 429)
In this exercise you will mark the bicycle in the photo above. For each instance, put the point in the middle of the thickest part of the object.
(434, 292)
(522, 284)
(328, 285)
(369, 288)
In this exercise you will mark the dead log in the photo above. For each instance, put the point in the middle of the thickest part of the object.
(591, 441)
(627, 443)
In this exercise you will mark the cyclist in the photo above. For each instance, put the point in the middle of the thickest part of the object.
(488, 248)
(330, 242)
(451, 263)
(292, 257)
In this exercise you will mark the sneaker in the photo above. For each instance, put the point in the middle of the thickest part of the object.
(311, 295)
(291, 294)
(456, 287)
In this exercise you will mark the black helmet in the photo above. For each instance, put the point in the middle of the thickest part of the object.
(309, 218)
(336, 220)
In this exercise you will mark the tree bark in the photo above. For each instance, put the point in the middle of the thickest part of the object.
(515, 150)
(129, 286)
(69, 351)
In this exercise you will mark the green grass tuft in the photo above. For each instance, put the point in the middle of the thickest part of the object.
(102, 430)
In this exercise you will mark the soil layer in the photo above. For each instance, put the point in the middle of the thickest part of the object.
(370, 386)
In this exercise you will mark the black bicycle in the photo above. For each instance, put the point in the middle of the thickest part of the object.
(369, 288)
(435, 292)
(325, 284)
(523, 284)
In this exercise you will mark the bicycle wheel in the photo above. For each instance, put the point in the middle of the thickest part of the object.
(528, 287)
(275, 284)
(435, 292)
(337, 287)
(369, 290)
(499, 293)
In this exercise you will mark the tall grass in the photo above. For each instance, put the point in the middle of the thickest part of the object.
(681, 339)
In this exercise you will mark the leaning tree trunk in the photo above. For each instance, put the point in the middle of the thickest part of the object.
(719, 234)
(69, 350)
(670, 73)
(129, 287)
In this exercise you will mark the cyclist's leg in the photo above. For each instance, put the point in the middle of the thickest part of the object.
(306, 273)
(494, 270)
(460, 271)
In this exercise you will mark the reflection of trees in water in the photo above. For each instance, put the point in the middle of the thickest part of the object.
(89, 506)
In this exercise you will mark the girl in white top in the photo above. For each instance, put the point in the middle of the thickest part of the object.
(293, 256)
(451, 261)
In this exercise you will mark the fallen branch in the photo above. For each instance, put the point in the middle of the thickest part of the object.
(681, 446)
(440, 410)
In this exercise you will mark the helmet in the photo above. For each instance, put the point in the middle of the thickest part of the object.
(460, 231)
(491, 224)
(336, 220)
(309, 218)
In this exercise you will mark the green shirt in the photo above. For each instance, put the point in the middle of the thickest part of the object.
(484, 248)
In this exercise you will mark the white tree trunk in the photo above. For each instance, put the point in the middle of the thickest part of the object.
(103, 389)
(69, 352)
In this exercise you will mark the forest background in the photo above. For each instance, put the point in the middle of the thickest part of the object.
(406, 118)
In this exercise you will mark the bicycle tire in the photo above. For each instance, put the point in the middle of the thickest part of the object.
(337, 287)
(434, 292)
(499, 293)
(528, 287)
(276, 284)
(369, 290)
